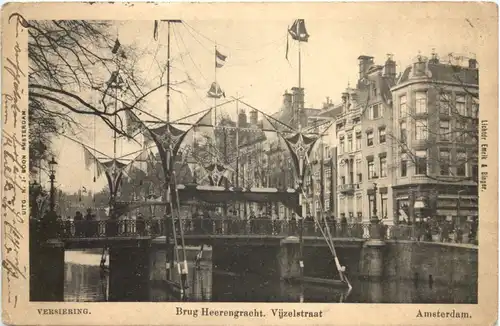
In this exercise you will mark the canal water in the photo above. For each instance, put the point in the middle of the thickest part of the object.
(85, 281)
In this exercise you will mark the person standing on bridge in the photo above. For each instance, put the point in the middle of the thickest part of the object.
(343, 225)
(140, 223)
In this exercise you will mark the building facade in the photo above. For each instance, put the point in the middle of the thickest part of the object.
(364, 151)
(436, 107)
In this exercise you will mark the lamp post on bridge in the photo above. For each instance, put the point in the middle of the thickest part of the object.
(52, 166)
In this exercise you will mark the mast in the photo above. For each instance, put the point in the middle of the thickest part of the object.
(238, 149)
(167, 172)
(215, 77)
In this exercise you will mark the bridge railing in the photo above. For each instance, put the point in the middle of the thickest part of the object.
(262, 227)
(156, 227)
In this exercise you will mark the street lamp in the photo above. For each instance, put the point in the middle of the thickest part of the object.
(52, 166)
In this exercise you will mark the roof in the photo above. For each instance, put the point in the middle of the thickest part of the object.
(443, 72)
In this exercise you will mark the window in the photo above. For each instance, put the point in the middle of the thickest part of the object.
(421, 162)
(444, 162)
(360, 177)
(358, 140)
(383, 167)
(342, 180)
(327, 151)
(374, 111)
(420, 129)
(327, 205)
(371, 205)
(369, 138)
(404, 167)
(349, 143)
(381, 135)
(475, 107)
(444, 104)
(341, 147)
(374, 90)
(460, 105)
(371, 168)
(403, 110)
(403, 132)
(328, 173)
(383, 206)
(461, 131)
(444, 130)
(475, 173)
(420, 102)
(461, 164)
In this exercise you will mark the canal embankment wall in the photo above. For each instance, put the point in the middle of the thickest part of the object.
(448, 263)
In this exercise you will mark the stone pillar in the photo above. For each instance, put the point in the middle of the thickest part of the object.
(372, 254)
(129, 274)
(288, 258)
(47, 272)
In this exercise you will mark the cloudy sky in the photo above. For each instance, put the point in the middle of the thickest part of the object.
(256, 67)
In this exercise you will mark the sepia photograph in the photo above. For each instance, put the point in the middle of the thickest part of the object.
(230, 159)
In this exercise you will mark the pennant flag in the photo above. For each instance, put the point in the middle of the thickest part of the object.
(90, 159)
(215, 91)
(220, 59)
(300, 147)
(298, 31)
(116, 47)
(155, 33)
(139, 162)
(134, 124)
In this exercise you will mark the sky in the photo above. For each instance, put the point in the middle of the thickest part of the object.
(256, 68)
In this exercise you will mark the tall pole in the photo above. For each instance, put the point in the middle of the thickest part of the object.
(167, 172)
(215, 77)
(238, 150)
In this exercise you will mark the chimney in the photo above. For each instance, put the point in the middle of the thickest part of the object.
(390, 67)
(434, 57)
(298, 98)
(472, 63)
(287, 101)
(365, 62)
(242, 119)
(253, 117)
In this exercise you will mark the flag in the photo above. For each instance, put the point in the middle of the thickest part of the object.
(155, 33)
(116, 47)
(298, 31)
(220, 59)
(134, 124)
(215, 91)
(84, 190)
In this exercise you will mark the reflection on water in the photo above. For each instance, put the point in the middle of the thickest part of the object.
(85, 281)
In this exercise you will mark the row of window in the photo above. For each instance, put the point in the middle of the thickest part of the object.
(370, 140)
(445, 164)
(445, 132)
(446, 105)
(382, 206)
(372, 173)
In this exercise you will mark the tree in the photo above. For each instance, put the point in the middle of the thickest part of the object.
(73, 65)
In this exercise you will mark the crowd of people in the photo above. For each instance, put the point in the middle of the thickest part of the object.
(425, 229)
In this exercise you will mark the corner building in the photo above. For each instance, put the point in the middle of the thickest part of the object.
(435, 123)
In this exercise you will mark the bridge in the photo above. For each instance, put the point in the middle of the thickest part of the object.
(86, 234)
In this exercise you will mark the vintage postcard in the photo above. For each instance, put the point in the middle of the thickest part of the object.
(249, 163)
